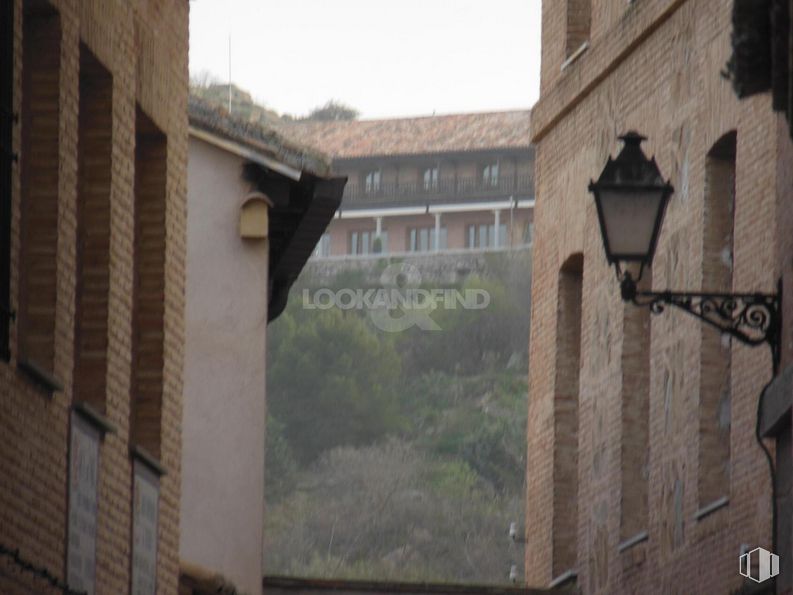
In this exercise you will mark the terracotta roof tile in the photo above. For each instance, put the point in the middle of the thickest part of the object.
(412, 136)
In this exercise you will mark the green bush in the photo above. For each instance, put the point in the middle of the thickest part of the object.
(331, 381)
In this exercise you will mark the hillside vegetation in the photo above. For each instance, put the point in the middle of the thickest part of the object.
(398, 455)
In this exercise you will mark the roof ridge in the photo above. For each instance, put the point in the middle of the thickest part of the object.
(288, 123)
(258, 135)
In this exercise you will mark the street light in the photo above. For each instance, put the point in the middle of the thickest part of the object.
(631, 199)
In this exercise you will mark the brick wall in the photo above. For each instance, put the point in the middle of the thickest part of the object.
(634, 417)
(77, 222)
(565, 415)
(94, 179)
(40, 176)
(577, 24)
(151, 154)
(653, 66)
(715, 361)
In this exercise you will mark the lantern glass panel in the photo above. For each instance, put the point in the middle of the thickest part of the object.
(629, 219)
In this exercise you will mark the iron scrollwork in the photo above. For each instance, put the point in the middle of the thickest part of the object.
(751, 318)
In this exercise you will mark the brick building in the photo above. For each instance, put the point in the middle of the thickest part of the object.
(427, 184)
(93, 132)
(644, 474)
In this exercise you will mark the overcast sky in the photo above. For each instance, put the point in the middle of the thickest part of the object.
(387, 58)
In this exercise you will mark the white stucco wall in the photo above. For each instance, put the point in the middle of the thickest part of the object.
(224, 400)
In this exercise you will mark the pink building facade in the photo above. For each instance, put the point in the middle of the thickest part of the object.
(256, 207)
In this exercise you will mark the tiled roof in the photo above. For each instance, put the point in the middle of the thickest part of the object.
(278, 145)
(413, 136)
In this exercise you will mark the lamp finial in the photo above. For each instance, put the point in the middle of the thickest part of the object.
(632, 138)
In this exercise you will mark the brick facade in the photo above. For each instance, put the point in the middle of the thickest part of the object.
(84, 71)
(664, 420)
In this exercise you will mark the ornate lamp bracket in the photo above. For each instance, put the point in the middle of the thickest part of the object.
(751, 318)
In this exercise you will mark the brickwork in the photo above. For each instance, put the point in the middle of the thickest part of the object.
(40, 173)
(95, 150)
(579, 18)
(715, 362)
(141, 46)
(565, 440)
(634, 405)
(149, 284)
(653, 66)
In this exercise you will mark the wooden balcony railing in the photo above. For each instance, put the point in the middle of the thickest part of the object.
(443, 191)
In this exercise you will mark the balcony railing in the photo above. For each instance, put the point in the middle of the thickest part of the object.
(445, 190)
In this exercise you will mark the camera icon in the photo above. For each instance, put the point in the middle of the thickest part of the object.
(759, 565)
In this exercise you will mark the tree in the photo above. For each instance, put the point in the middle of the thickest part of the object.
(280, 467)
(391, 512)
(332, 381)
(333, 111)
(203, 79)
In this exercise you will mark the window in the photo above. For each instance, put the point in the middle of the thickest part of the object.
(323, 246)
(372, 181)
(565, 416)
(422, 239)
(490, 175)
(83, 500)
(715, 374)
(6, 163)
(145, 525)
(40, 181)
(380, 243)
(579, 14)
(94, 166)
(148, 312)
(484, 236)
(362, 242)
(500, 240)
(431, 178)
(470, 237)
(528, 234)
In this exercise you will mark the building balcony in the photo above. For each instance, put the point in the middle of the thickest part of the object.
(473, 189)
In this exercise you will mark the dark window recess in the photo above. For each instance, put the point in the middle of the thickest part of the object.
(39, 185)
(7, 158)
(362, 242)
(148, 322)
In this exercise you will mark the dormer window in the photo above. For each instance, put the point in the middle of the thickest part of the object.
(372, 181)
(490, 175)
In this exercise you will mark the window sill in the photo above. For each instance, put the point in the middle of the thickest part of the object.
(39, 375)
(709, 509)
(633, 541)
(141, 454)
(92, 416)
(575, 55)
(566, 578)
